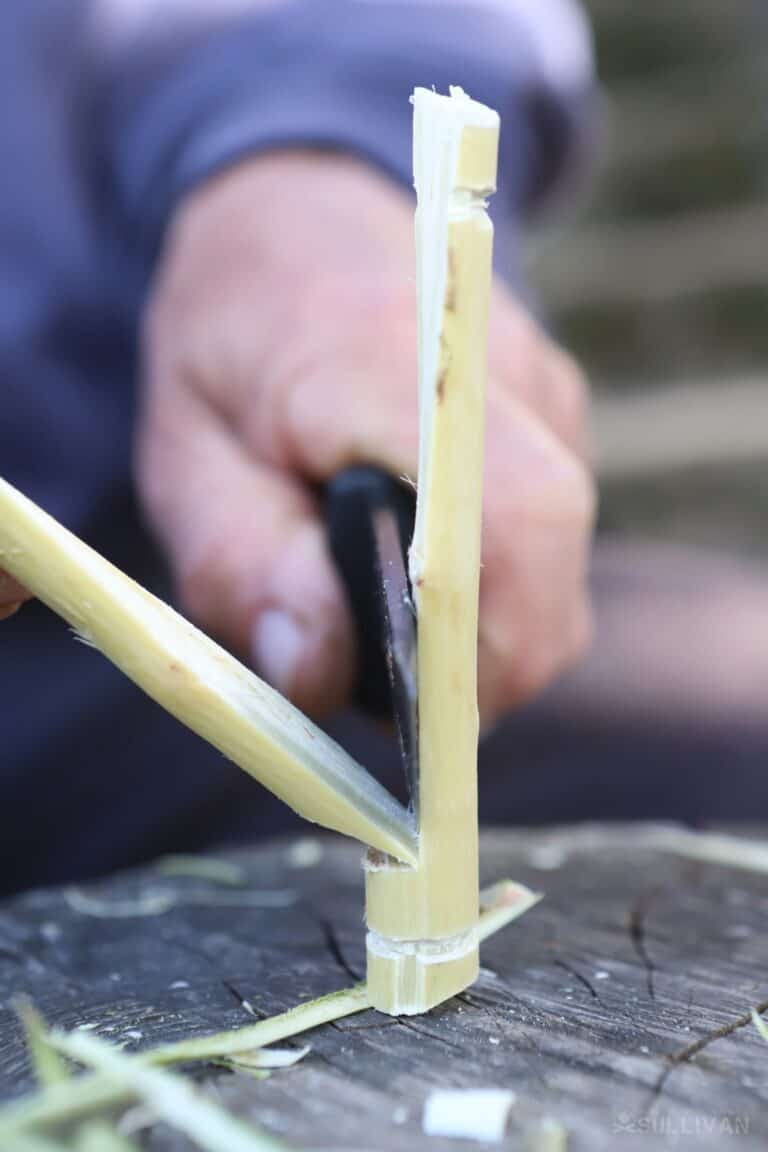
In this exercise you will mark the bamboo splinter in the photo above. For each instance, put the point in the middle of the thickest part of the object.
(422, 942)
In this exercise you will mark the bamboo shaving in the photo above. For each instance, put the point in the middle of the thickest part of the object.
(158, 901)
(270, 1031)
(549, 1136)
(30, 1143)
(305, 853)
(480, 1114)
(98, 1136)
(730, 851)
(172, 1098)
(49, 1067)
(203, 868)
(71, 1100)
(711, 847)
(233, 1064)
(273, 1057)
(262, 1062)
(502, 903)
(760, 1024)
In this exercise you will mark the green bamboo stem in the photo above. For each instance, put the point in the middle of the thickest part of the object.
(422, 944)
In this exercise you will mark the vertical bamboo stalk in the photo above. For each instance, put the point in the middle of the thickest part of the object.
(422, 921)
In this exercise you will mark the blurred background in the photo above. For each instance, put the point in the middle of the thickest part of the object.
(657, 279)
(659, 283)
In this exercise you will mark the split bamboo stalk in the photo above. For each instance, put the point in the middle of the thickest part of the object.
(197, 681)
(423, 939)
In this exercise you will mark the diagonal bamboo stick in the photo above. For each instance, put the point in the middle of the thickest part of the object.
(422, 940)
(197, 681)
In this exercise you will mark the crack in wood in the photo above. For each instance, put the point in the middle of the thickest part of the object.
(537, 1017)
(198, 952)
(496, 1014)
(243, 1001)
(598, 1059)
(685, 1055)
(465, 999)
(8, 953)
(386, 1022)
(334, 947)
(425, 1034)
(637, 934)
(577, 976)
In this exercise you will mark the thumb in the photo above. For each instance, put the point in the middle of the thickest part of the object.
(12, 595)
(249, 555)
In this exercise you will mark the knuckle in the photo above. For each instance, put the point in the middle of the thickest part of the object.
(205, 585)
(571, 386)
(557, 633)
(177, 353)
(541, 661)
(198, 590)
(572, 497)
(584, 498)
(150, 474)
(515, 667)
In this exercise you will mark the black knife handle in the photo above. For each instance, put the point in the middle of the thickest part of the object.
(351, 498)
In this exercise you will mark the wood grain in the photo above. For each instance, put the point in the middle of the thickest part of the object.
(617, 1006)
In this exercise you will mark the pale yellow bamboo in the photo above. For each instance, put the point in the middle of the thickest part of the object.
(197, 681)
(422, 940)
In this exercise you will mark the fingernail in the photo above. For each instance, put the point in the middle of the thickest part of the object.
(8, 610)
(278, 644)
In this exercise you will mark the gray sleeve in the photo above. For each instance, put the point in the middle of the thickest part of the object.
(190, 86)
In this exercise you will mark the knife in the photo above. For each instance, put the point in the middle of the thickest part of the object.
(370, 518)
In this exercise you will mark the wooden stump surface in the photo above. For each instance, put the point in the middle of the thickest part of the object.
(618, 1007)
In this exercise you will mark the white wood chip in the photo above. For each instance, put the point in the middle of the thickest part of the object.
(305, 853)
(479, 1114)
(271, 1057)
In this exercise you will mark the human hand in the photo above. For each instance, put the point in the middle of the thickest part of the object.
(280, 348)
(12, 596)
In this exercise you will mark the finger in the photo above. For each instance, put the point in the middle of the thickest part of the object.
(565, 400)
(248, 552)
(538, 512)
(525, 361)
(12, 596)
(374, 414)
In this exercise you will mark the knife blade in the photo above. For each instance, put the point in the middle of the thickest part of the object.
(370, 518)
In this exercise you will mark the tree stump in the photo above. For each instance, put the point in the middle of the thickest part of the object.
(617, 1007)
